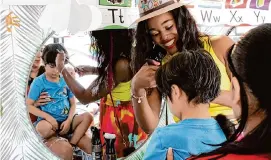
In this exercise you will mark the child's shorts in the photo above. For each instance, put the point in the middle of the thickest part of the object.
(59, 124)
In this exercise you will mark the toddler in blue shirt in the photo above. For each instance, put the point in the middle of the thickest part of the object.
(57, 116)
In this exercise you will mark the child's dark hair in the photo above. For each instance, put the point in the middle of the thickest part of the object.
(50, 52)
(195, 72)
(226, 125)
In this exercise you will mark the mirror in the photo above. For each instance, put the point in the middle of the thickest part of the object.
(18, 50)
(48, 79)
(19, 45)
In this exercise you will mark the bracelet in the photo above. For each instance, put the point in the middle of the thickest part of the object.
(139, 98)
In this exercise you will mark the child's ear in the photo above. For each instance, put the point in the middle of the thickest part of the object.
(176, 91)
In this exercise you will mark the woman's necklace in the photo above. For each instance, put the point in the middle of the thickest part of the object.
(167, 57)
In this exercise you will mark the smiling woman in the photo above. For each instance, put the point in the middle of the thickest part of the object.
(172, 27)
(159, 26)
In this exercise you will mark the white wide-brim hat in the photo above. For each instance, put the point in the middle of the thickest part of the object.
(151, 8)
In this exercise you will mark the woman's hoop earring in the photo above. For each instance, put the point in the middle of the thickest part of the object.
(134, 43)
(153, 45)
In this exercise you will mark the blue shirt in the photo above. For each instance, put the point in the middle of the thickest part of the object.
(60, 94)
(186, 138)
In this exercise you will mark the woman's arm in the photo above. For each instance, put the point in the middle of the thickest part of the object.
(221, 45)
(224, 98)
(148, 110)
(85, 96)
(83, 70)
(34, 110)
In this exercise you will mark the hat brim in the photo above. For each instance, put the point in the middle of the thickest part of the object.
(158, 12)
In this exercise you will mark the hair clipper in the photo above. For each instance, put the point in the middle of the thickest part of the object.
(156, 54)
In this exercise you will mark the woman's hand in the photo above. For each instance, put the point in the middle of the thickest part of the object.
(145, 77)
(43, 99)
(60, 61)
(169, 154)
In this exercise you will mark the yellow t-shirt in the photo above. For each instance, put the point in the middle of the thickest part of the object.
(120, 93)
(215, 109)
